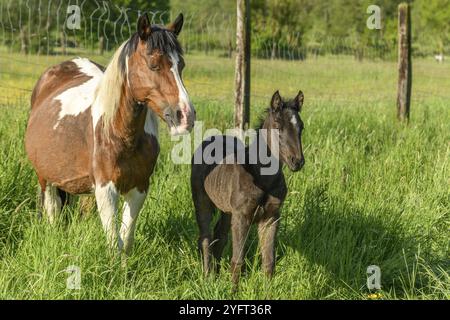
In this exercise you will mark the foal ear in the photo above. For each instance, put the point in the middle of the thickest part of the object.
(277, 101)
(298, 100)
(176, 26)
(144, 27)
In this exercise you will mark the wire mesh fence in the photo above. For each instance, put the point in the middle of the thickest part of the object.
(63, 26)
(35, 34)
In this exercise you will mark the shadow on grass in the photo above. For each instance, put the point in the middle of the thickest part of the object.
(346, 239)
(343, 238)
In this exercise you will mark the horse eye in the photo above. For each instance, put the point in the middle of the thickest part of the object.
(155, 67)
(278, 121)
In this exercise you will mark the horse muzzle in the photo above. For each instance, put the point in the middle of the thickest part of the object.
(296, 164)
(180, 119)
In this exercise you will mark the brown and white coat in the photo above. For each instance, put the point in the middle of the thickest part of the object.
(95, 130)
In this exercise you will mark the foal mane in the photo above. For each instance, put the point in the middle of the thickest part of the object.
(262, 119)
(109, 89)
(265, 114)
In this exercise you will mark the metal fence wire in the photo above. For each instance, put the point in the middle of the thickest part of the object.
(39, 33)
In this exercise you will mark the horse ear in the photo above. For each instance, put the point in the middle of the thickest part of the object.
(144, 27)
(299, 100)
(277, 101)
(177, 25)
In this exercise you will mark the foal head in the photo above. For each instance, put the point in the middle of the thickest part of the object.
(154, 63)
(285, 117)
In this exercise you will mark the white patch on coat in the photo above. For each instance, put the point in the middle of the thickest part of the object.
(131, 208)
(294, 121)
(52, 202)
(183, 97)
(151, 124)
(107, 197)
(78, 99)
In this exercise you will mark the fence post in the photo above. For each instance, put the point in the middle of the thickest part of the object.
(63, 43)
(101, 45)
(23, 40)
(242, 73)
(404, 62)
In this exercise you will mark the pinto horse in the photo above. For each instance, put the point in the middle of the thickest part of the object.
(95, 130)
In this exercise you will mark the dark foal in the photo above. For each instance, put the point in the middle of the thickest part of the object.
(242, 190)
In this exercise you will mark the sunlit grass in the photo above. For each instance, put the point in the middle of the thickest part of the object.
(372, 192)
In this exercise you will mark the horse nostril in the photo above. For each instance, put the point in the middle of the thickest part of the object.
(302, 162)
(179, 115)
(297, 163)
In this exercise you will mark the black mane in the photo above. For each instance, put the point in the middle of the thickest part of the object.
(263, 117)
(160, 39)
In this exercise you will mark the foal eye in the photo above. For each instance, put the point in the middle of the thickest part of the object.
(155, 67)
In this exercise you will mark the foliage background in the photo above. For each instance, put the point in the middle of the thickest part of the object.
(281, 28)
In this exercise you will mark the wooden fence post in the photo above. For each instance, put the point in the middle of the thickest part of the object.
(242, 80)
(23, 40)
(404, 62)
(63, 43)
(101, 45)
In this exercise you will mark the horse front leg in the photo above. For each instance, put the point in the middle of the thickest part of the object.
(267, 230)
(131, 208)
(239, 231)
(107, 197)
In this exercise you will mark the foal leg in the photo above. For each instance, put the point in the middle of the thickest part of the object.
(204, 209)
(267, 229)
(204, 239)
(239, 232)
(220, 237)
(131, 208)
(106, 197)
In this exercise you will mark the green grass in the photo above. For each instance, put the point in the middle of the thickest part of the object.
(373, 191)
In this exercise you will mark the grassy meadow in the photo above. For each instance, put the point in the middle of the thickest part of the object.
(372, 192)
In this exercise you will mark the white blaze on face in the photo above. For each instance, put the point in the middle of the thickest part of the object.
(294, 120)
(77, 99)
(183, 99)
